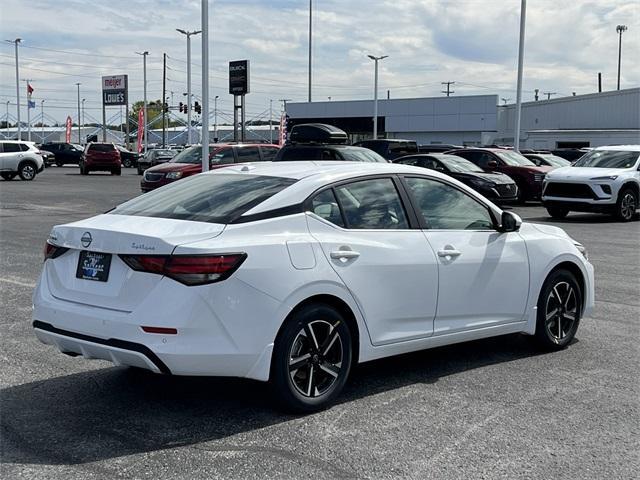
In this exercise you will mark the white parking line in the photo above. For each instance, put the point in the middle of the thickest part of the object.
(16, 282)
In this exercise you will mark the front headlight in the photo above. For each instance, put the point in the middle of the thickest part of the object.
(481, 183)
(606, 177)
(582, 250)
(174, 175)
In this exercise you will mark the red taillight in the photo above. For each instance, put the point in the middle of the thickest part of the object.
(53, 251)
(188, 269)
(162, 330)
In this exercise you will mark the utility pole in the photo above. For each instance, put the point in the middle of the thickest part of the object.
(548, 94)
(144, 69)
(375, 94)
(448, 91)
(79, 119)
(523, 15)
(271, 120)
(620, 29)
(205, 85)
(215, 118)
(83, 100)
(310, 40)
(16, 42)
(42, 120)
(188, 34)
(164, 88)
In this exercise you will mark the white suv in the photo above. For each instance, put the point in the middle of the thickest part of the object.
(19, 158)
(605, 180)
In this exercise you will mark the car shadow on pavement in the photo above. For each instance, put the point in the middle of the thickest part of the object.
(113, 412)
(587, 218)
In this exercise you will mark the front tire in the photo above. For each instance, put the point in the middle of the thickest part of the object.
(557, 212)
(626, 205)
(311, 359)
(559, 310)
(27, 171)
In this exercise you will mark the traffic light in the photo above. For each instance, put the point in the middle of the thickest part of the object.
(197, 107)
(180, 107)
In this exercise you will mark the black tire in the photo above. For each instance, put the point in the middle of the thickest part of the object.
(559, 310)
(83, 170)
(523, 193)
(126, 163)
(626, 205)
(319, 337)
(140, 171)
(557, 212)
(116, 171)
(27, 170)
(8, 176)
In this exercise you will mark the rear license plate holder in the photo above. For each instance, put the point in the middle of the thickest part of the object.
(93, 266)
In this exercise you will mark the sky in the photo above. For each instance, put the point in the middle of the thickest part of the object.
(473, 43)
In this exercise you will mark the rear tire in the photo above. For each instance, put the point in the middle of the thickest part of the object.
(559, 310)
(311, 359)
(126, 163)
(626, 205)
(557, 212)
(27, 171)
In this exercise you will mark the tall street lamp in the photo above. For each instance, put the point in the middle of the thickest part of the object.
(42, 119)
(375, 94)
(188, 35)
(83, 100)
(144, 67)
(310, 39)
(215, 117)
(619, 29)
(523, 14)
(16, 42)
(79, 118)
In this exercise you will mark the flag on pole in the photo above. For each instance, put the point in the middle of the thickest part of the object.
(29, 89)
(31, 104)
(68, 130)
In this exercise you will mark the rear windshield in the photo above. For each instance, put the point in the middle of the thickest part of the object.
(102, 147)
(214, 198)
(359, 154)
(608, 159)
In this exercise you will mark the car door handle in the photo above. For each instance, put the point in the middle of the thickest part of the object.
(344, 254)
(449, 252)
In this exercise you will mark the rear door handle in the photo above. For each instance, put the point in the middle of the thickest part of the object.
(446, 252)
(344, 254)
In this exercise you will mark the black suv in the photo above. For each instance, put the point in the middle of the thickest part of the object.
(64, 152)
(390, 148)
(318, 141)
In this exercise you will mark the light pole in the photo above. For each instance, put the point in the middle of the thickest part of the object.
(144, 70)
(310, 40)
(204, 24)
(16, 42)
(215, 117)
(619, 29)
(375, 94)
(271, 120)
(523, 13)
(83, 100)
(188, 34)
(79, 118)
(8, 113)
(42, 119)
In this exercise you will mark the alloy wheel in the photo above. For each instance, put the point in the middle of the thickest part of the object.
(315, 358)
(28, 172)
(628, 206)
(561, 311)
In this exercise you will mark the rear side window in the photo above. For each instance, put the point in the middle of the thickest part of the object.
(372, 204)
(10, 147)
(214, 198)
(398, 149)
(299, 153)
(326, 206)
(223, 157)
(101, 147)
(269, 153)
(248, 154)
(24, 147)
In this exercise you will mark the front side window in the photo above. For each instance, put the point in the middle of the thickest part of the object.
(10, 147)
(191, 155)
(608, 159)
(223, 157)
(269, 153)
(326, 206)
(444, 207)
(215, 198)
(372, 204)
(248, 154)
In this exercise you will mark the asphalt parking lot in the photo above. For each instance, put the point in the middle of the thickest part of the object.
(495, 408)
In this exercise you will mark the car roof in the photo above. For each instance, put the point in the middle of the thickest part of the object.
(623, 148)
(312, 175)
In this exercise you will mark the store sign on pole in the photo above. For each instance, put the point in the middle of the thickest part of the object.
(67, 136)
(239, 77)
(115, 90)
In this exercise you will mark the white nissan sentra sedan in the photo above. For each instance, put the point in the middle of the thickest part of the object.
(292, 273)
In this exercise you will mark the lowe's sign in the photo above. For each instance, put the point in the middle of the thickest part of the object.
(114, 90)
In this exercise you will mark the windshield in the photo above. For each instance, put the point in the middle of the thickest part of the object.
(164, 153)
(555, 161)
(214, 198)
(189, 155)
(514, 159)
(358, 154)
(458, 164)
(608, 159)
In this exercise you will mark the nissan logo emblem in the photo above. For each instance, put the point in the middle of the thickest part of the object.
(86, 239)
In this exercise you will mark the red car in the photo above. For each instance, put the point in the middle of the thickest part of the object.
(527, 175)
(189, 162)
(100, 156)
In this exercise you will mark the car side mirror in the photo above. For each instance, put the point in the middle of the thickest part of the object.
(492, 164)
(510, 222)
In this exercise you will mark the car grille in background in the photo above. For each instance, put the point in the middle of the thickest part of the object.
(570, 190)
(506, 190)
(153, 177)
(538, 177)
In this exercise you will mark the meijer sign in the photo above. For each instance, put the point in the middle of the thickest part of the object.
(114, 90)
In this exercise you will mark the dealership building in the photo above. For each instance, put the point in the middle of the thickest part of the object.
(568, 122)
